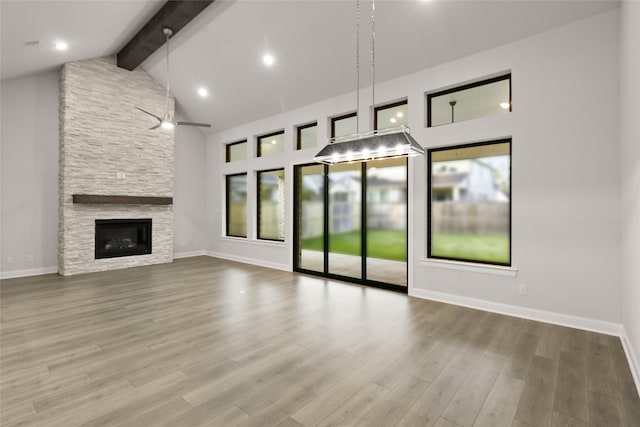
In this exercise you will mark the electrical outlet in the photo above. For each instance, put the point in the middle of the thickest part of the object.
(522, 289)
(10, 260)
(30, 258)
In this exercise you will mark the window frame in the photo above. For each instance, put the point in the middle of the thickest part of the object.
(386, 106)
(227, 148)
(258, 199)
(299, 130)
(259, 139)
(227, 204)
(471, 85)
(341, 117)
(429, 153)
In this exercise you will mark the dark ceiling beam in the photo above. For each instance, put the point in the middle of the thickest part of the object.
(175, 14)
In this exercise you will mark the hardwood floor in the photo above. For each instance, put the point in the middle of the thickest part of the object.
(205, 341)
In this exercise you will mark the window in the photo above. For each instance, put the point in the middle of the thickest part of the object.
(470, 202)
(307, 136)
(237, 205)
(485, 98)
(271, 194)
(236, 151)
(344, 125)
(391, 115)
(270, 144)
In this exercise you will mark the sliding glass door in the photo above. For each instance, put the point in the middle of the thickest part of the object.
(345, 220)
(309, 211)
(351, 222)
(386, 231)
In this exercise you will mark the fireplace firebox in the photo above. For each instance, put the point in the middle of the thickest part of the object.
(122, 237)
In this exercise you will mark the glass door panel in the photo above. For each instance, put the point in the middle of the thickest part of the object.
(310, 217)
(345, 220)
(387, 221)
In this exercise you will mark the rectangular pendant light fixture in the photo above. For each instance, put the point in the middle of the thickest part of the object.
(377, 144)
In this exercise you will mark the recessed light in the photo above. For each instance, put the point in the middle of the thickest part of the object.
(392, 120)
(203, 92)
(61, 45)
(505, 105)
(399, 114)
(268, 59)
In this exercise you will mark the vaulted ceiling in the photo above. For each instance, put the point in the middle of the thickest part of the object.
(312, 42)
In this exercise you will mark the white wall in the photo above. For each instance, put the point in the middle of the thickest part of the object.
(564, 124)
(189, 193)
(29, 141)
(630, 126)
(565, 182)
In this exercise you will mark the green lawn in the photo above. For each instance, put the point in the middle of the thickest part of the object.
(491, 248)
(384, 244)
(391, 245)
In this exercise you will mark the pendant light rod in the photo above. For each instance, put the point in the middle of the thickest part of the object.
(373, 54)
(357, 64)
(168, 32)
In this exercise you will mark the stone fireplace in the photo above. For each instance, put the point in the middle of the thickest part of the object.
(112, 168)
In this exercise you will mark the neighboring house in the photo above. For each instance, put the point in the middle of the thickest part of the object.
(386, 203)
(466, 180)
(344, 194)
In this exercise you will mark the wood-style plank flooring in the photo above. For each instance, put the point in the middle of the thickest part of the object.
(205, 341)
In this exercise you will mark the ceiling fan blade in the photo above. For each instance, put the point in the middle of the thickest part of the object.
(204, 125)
(151, 114)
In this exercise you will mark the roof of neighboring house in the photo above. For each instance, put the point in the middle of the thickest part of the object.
(375, 181)
(448, 179)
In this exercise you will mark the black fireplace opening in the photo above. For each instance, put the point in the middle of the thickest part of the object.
(122, 237)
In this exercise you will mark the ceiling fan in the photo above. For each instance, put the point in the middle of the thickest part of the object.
(168, 121)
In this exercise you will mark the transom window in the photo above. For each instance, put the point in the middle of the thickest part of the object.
(270, 144)
(391, 115)
(236, 151)
(307, 136)
(485, 98)
(344, 125)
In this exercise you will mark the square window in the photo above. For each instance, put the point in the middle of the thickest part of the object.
(271, 144)
(344, 125)
(307, 136)
(236, 151)
(390, 116)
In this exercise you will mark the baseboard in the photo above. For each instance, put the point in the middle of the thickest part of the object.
(608, 328)
(632, 358)
(178, 255)
(30, 272)
(253, 261)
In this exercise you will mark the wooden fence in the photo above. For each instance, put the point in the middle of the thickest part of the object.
(472, 217)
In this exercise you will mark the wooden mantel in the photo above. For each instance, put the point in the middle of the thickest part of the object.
(121, 200)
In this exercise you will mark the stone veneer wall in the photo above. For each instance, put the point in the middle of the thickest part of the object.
(102, 136)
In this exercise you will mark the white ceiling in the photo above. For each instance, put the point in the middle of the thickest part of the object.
(313, 42)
